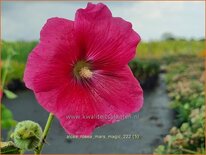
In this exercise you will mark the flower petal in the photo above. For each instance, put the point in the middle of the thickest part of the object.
(50, 63)
(117, 94)
(108, 40)
(58, 39)
(71, 104)
(109, 98)
(56, 30)
(41, 73)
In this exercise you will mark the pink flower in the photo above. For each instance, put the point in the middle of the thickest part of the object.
(79, 70)
(1, 94)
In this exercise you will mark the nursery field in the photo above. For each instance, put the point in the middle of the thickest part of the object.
(181, 66)
(168, 48)
(151, 53)
(185, 84)
(153, 49)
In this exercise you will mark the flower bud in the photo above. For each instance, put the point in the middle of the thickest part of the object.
(179, 136)
(184, 127)
(167, 139)
(174, 130)
(27, 135)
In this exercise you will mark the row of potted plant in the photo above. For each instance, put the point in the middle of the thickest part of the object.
(185, 85)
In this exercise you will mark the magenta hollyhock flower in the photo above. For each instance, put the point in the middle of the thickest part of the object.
(1, 95)
(79, 70)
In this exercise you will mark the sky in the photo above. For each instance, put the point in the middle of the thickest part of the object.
(24, 20)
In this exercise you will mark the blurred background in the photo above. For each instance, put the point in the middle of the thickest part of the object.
(169, 66)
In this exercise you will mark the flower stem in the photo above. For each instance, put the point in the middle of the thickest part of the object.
(45, 133)
(188, 151)
(22, 151)
(4, 75)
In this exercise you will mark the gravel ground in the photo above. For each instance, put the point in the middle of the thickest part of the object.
(139, 134)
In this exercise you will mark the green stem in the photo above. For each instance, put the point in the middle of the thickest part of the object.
(4, 74)
(188, 151)
(6, 71)
(22, 151)
(45, 133)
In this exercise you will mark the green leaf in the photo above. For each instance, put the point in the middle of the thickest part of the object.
(10, 94)
(7, 121)
(9, 148)
(11, 52)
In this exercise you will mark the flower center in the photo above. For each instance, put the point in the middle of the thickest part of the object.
(82, 70)
(85, 72)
